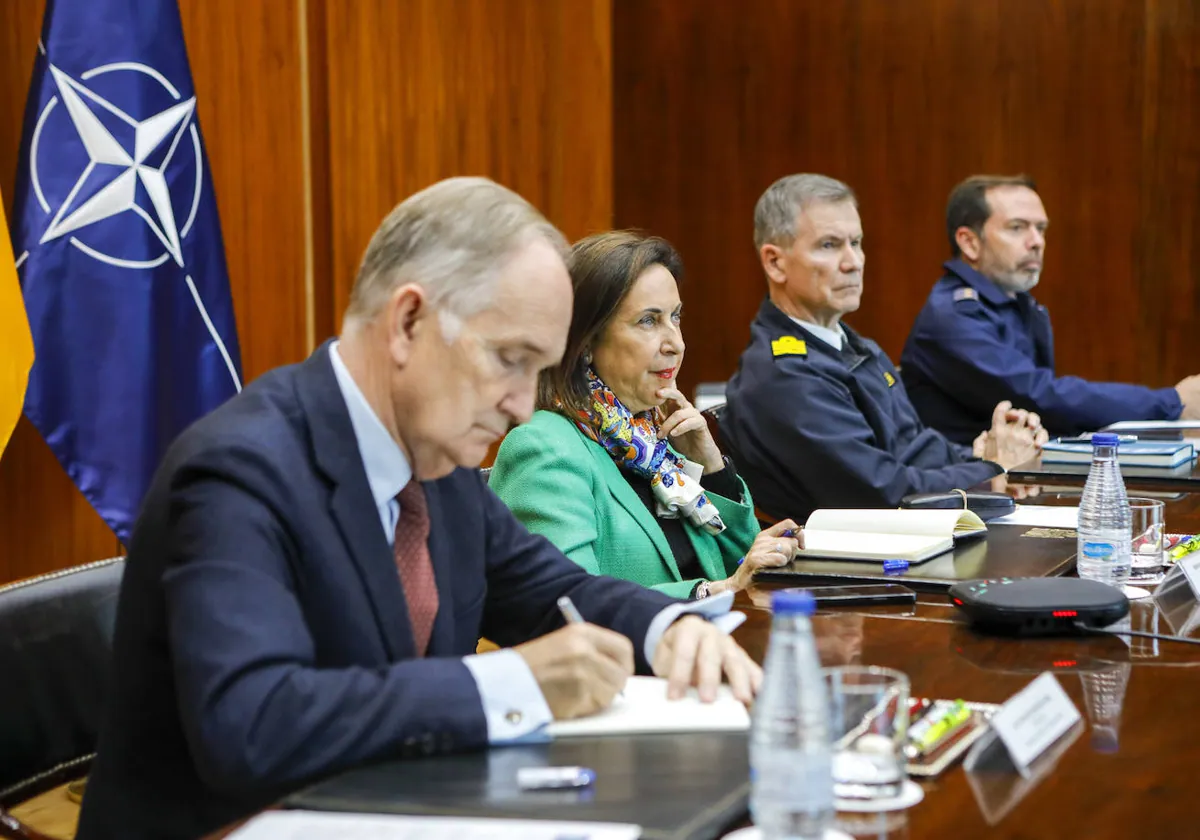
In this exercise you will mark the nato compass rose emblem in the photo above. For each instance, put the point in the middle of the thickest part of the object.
(116, 165)
(133, 166)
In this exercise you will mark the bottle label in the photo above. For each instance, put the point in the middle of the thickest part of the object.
(1099, 550)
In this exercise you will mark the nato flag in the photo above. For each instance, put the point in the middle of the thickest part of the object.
(119, 249)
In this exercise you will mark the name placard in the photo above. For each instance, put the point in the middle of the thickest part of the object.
(1033, 719)
(1189, 564)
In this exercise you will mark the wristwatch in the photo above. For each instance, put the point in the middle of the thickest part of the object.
(701, 590)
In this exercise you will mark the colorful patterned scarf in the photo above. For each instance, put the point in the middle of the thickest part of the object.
(632, 441)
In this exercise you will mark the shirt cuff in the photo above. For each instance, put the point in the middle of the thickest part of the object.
(715, 609)
(512, 702)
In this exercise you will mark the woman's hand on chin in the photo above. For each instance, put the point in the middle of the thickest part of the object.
(688, 431)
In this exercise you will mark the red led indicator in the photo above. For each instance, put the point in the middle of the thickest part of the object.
(1066, 663)
(1065, 613)
(958, 602)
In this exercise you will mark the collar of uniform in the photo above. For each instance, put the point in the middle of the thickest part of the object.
(987, 290)
(778, 323)
(835, 338)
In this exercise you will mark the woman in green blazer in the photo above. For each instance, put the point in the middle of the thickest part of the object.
(616, 467)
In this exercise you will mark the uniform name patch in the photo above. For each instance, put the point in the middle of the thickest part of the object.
(788, 345)
(889, 379)
(965, 293)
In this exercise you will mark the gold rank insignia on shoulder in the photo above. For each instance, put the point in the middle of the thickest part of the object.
(788, 345)
(965, 293)
(889, 379)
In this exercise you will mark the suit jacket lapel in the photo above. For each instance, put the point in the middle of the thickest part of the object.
(441, 637)
(335, 451)
(626, 498)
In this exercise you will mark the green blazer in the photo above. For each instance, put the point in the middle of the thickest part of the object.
(563, 485)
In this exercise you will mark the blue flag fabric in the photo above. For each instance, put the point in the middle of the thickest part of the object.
(119, 249)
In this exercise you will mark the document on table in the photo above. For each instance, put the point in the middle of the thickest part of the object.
(303, 825)
(1040, 516)
(643, 708)
(1153, 425)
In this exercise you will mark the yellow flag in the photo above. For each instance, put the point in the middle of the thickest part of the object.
(16, 344)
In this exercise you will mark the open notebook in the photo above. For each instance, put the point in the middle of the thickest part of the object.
(878, 535)
(643, 708)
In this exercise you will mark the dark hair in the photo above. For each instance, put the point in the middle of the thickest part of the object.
(603, 269)
(968, 205)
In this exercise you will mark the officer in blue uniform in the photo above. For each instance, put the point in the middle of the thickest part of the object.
(981, 337)
(816, 416)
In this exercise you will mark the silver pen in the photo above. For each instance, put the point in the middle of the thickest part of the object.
(569, 611)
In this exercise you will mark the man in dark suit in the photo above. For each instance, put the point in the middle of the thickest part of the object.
(316, 559)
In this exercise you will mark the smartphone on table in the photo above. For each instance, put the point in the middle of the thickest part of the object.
(861, 595)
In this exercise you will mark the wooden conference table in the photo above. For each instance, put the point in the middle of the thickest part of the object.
(1127, 773)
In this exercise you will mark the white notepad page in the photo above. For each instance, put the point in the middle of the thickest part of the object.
(645, 709)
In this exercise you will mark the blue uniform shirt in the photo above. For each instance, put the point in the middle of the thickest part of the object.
(973, 346)
(813, 427)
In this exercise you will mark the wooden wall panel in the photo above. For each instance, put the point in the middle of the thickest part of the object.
(420, 90)
(46, 522)
(1168, 233)
(1097, 100)
(245, 63)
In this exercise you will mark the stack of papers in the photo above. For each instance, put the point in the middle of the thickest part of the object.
(304, 825)
(1153, 426)
(1041, 516)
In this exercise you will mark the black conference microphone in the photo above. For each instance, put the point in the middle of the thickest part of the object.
(1039, 606)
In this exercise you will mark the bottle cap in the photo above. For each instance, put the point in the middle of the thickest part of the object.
(785, 602)
(1105, 439)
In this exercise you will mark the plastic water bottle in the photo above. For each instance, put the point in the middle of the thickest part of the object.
(791, 755)
(1105, 525)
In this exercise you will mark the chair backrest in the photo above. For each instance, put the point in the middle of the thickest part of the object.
(712, 416)
(709, 395)
(55, 651)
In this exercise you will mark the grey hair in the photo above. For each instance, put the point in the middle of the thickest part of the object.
(777, 208)
(452, 239)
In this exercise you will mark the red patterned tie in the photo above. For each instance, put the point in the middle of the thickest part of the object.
(414, 564)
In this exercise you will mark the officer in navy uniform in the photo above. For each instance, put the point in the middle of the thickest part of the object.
(816, 416)
(981, 336)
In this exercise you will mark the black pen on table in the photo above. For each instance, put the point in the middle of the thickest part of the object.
(571, 613)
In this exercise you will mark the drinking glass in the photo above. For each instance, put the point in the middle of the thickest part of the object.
(1146, 550)
(869, 722)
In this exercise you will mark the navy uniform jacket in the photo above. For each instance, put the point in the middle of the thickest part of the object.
(812, 427)
(973, 346)
(262, 634)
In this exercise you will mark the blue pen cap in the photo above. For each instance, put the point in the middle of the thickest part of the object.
(894, 567)
(784, 602)
(1105, 439)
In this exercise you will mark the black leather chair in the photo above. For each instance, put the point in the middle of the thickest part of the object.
(712, 416)
(55, 649)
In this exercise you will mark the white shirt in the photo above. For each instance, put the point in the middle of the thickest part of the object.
(512, 702)
(833, 337)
